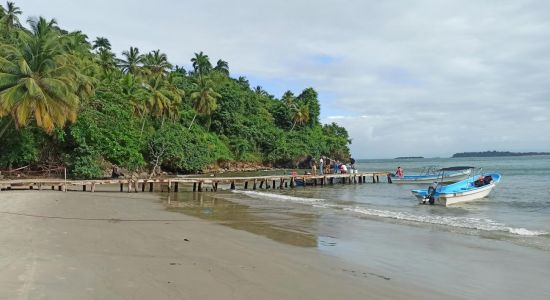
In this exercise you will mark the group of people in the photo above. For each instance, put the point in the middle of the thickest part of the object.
(483, 180)
(326, 165)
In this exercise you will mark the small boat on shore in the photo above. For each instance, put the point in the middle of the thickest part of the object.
(430, 175)
(473, 188)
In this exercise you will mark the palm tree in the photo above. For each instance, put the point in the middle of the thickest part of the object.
(300, 115)
(38, 80)
(201, 64)
(2, 12)
(133, 90)
(76, 44)
(101, 43)
(289, 100)
(203, 98)
(133, 61)
(106, 60)
(222, 66)
(162, 97)
(10, 19)
(156, 63)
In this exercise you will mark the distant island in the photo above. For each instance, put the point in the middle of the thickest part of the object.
(408, 157)
(497, 153)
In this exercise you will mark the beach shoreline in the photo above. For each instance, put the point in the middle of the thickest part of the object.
(112, 246)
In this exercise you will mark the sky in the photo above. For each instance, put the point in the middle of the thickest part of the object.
(405, 78)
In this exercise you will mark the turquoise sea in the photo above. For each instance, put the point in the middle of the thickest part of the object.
(494, 248)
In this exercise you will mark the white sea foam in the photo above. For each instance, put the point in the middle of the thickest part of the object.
(279, 197)
(471, 223)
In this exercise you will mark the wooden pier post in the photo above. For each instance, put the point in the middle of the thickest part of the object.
(176, 187)
(373, 179)
(254, 186)
(246, 185)
(200, 186)
(92, 188)
(121, 187)
(216, 186)
(377, 179)
(83, 187)
(151, 186)
(194, 186)
(233, 184)
(273, 184)
(261, 183)
(292, 184)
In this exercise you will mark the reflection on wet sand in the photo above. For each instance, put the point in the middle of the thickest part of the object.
(288, 228)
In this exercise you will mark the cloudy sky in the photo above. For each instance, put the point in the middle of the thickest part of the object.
(406, 78)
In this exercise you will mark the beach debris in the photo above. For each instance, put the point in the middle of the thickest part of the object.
(364, 274)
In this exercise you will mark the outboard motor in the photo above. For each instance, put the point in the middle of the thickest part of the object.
(431, 192)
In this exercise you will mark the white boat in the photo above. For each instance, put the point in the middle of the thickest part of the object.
(445, 175)
(462, 191)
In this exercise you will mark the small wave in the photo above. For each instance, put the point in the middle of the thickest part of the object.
(471, 223)
(279, 197)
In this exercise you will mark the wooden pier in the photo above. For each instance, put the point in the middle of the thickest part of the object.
(195, 184)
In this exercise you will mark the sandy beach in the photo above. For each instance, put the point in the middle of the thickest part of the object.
(128, 246)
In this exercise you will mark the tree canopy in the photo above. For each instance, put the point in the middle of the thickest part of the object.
(67, 101)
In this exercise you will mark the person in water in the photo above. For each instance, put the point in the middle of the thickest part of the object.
(399, 172)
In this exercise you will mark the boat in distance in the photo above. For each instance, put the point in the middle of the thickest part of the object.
(430, 175)
(463, 191)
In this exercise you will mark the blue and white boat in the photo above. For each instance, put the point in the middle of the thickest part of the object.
(431, 174)
(473, 188)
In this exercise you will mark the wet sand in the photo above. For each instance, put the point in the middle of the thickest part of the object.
(128, 246)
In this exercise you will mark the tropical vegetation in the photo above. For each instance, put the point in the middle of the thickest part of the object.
(66, 101)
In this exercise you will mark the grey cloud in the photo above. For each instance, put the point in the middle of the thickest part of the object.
(424, 77)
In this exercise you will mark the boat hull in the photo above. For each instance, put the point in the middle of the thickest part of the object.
(454, 198)
(459, 192)
(455, 177)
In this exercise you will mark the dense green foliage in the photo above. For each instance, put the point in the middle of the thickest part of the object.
(68, 102)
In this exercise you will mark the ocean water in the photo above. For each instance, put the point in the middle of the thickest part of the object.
(494, 248)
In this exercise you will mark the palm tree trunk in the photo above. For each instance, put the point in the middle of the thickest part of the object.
(209, 123)
(6, 127)
(293, 126)
(142, 125)
(192, 121)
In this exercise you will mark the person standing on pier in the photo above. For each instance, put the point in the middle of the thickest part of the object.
(352, 162)
(313, 166)
(321, 165)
